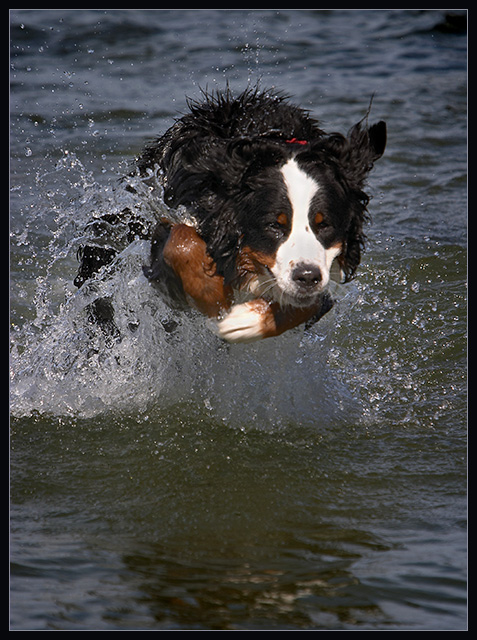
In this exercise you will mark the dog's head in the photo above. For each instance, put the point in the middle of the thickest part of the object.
(276, 211)
(301, 207)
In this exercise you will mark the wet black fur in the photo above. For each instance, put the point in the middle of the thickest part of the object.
(215, 157)
(222, 159)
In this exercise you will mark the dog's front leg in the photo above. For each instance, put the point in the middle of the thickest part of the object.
(186, 253)
(258, 319)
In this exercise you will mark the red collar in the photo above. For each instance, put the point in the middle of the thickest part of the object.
(295, 141)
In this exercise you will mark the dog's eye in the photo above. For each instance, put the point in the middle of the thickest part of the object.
(319, 221)
(282, 219)
(279, 225)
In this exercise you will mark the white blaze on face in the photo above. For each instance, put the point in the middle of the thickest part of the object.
(302, 247)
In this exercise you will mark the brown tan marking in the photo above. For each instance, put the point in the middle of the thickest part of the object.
(275, 320)
(318, 218)
(186, 253)
(282, 219)
(251, 264)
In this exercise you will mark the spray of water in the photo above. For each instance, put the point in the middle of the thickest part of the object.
(149, 357)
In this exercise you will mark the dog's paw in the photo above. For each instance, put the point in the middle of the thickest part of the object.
(244, 323)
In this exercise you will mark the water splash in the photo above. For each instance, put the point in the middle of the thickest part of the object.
(386, 352)
(157, 359)
(150, 358)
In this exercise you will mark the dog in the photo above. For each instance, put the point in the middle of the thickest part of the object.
(274, 205)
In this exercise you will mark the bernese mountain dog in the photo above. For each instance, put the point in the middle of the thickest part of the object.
(273, 205)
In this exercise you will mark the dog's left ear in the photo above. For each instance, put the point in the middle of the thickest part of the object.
(377, 136)
(365, 146)
(362, 148)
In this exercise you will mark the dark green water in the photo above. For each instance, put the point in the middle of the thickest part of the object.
(168, 482)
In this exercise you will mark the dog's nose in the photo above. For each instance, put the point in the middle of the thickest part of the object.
(307, 276)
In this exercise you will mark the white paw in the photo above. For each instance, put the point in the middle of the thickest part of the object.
(241, 324)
